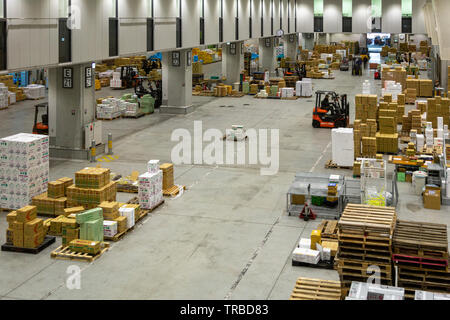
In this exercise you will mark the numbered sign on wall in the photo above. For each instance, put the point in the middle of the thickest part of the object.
(88, 77)
(67, 78)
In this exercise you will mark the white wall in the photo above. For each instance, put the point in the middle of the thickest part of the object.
(32, 42)
(229, 15)
(292, 11)
(212, 14)
(256, 18)
(284, 10)
(91, 41)
(244, 22)
(191, 10)
(165, 24)
(305, 15)
(133, 26)
(267, 13)
(332, 16)
(418, 17)
(360, 16)
(441, 11)
(392, 16)
(276, 15)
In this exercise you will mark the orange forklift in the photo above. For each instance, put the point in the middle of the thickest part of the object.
(331, 110)
(41, 127)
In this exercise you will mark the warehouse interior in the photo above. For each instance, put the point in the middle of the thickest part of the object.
(224, 149)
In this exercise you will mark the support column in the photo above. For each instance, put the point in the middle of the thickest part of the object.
(291, 48)
(177, 85)
(232, 62)
(308, 39)
(267, 55)
(71, 111)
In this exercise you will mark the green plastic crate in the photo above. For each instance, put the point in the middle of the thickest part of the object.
(317, 201)
(401, 176)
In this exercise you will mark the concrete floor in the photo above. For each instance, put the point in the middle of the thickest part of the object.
(227, 237)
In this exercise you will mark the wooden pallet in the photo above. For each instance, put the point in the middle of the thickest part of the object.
(64, 253)
(367, 221)
(420, 262)
(363, 269)
(321, 265)
(428, 240)
(347, 280)
(127, 188)
(134, 117)
(413, 286)
(331, 165)
(106, 119)
(48, 241)
(363, 240)
(315, 289)
(433, 278)
(363, 256)
(172, 192)
(119, 236)
(328, 229)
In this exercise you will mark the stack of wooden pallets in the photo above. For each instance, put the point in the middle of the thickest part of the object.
(315, 289)
(420, 254)
(365, 244)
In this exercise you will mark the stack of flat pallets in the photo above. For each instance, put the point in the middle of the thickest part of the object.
(365, 244)
(315, 289)
(420, 253)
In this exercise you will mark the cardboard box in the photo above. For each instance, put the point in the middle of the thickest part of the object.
(56, 225)
(26, 214)
(85, 246)
(110, 228)
(332, 245)
(432, 199)
(18, 234)
(33, 227)
(68, 223)
(121, 224)
(90, 215)
(67, 183)
(11, 217)
(55, 189)
(9, 236)
(298, 199)
(33, 241)
(92, 230)
(74, 210)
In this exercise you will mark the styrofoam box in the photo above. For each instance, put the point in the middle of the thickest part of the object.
(368, 291)
(306, 255)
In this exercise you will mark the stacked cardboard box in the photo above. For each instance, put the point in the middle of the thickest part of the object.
(416, 120)
(387, 143)
(398, 75)
(413, 84)
(388, 125)
(448, 78)
(92, 187)
(426, 88)
(365, 240)
(369, 147)
(438, 107)
(25, 229)
(91, 225)
(70, 229)
(150, 189)
(168, 180)
(24, 169)
(411, 95)
(365, 107)
(422, 106)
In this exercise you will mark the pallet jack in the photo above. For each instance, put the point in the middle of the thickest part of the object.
(307, 214)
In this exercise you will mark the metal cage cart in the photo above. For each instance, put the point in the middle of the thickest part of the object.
(313, 188)
(378, 186)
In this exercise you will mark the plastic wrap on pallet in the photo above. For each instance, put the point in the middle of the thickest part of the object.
(342, 147)
(24, 169)
(150, 189)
